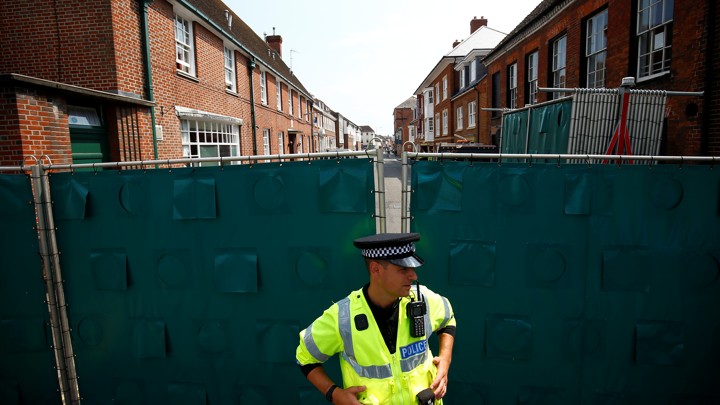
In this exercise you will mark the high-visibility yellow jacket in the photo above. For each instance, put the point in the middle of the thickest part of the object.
(364, 357)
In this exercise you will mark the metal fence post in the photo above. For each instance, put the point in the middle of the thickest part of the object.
(57, 307)
(381, 189)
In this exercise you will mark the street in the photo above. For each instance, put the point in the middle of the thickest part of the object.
(393, 195)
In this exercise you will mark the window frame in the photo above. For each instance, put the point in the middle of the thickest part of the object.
(263, 87)
(290, 102)
(532, 77)
(472, 112)
(266, 142)
(278, 94)
(231, 82)
(186, 63)
(649, 35)
(445, 87)
(512, 85)
(445, 122)
(594, 54)
(558, 66)
(459, 117)
(213, 134)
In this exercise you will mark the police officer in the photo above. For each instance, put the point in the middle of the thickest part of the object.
(381, 332)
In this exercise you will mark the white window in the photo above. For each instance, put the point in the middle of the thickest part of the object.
(184, 46)
(290, 103)
(278, 95)
(512, 86)
(559, 50)
(459, 118)
(471, 114)
(430, 127)
(532, 77)
(462, 78)
(445, 121)
(266, 142)
(596, 49)
(437, 91)
(202, 139)
(299, 106)
(263, 87)
(654, 31)
(445, 87)
(473, 71)
(437, 127)
(431, 99)
(230, 83)
(281, 143)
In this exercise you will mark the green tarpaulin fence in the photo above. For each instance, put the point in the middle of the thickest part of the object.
(575, 283)
(591, 284)
(546, 133)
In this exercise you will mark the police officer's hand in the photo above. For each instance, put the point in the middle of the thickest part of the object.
(347, 396)
(439, 384)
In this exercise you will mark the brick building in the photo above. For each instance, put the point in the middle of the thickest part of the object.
(143, 79)
(404, 123)
(450, 96)
(324, 126)
(664, 45)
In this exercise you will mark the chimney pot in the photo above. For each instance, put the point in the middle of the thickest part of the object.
(456, 43)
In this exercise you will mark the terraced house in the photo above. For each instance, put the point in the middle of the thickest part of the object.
(108, 80)
(663, 45)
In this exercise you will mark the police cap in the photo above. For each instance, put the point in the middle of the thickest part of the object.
(396, 248)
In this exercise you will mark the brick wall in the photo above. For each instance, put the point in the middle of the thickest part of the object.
(41, 127)
(464, 101)
(66, 41)
(687, 64)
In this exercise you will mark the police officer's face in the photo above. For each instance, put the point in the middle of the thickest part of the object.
(397, 280)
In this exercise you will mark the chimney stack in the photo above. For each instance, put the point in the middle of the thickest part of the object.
(275, 42)
(477, 23)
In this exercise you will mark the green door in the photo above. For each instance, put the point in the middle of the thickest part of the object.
(88, 136)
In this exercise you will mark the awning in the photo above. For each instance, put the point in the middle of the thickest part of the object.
(13, 78)
(184, 112)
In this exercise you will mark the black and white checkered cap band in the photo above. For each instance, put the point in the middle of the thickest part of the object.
(391, 252)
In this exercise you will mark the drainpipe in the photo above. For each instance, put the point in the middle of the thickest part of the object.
(251, 67)
(710, 92)
(149, 92)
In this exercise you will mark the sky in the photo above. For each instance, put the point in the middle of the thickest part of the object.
(364, 58)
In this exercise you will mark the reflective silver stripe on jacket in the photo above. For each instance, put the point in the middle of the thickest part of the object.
(312, 346)
(384, 371)
(447, 318)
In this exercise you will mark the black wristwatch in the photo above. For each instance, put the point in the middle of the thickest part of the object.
(328, 394)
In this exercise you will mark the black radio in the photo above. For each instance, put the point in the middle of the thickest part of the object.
(416, 311)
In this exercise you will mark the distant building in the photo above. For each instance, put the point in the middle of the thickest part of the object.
(324, 126)
(450, 96)
(404, 119)
(367, 134)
